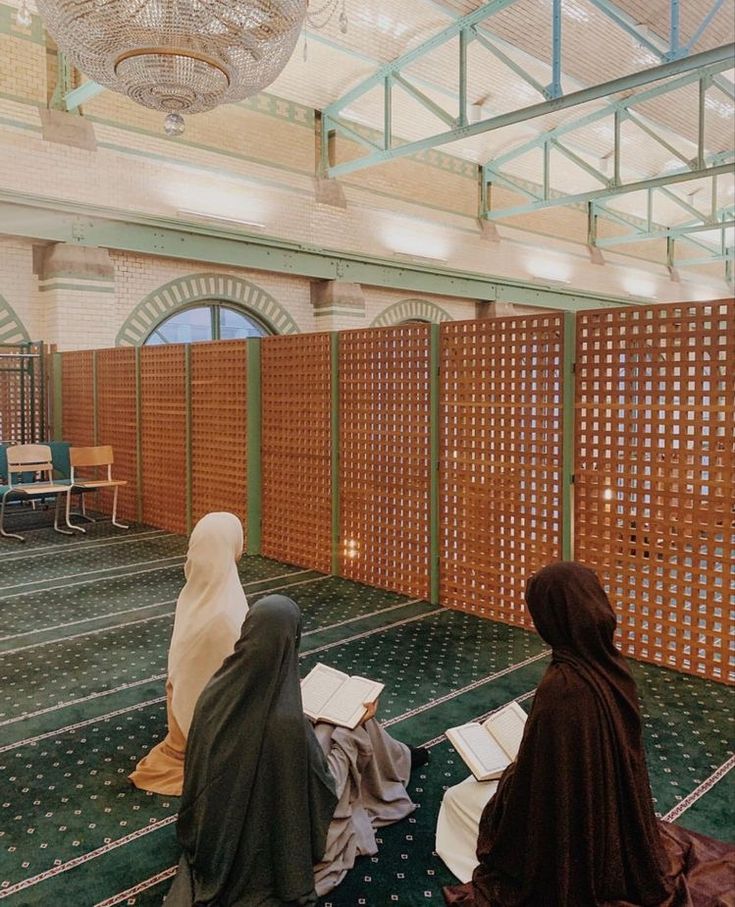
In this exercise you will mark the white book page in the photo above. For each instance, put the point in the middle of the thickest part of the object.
(483, 755)
(347, 705)
(507, 726)
(318, 687)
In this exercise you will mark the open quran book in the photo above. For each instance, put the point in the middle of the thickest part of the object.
(490, 747)
(330, 695)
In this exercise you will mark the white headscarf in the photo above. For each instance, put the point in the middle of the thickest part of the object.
(209, 613)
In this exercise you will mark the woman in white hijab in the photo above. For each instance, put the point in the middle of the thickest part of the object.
(209, 617)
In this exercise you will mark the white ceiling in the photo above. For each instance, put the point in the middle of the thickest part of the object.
(595, 50)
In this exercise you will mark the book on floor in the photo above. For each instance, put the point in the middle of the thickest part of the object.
(333, 696)
(489, 748)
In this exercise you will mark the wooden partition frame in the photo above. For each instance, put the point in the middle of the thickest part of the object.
(296, 395)
(627, 429)
(384, 455)
(654, 482)
(218, 421)
(117, 416)
(501, 460)
(78, 401)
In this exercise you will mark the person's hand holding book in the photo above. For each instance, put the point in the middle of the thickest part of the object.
(371, 710)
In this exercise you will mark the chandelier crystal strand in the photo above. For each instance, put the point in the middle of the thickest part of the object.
(178, 56)
(321, 17)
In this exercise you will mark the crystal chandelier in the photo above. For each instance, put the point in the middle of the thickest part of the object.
(177, 56)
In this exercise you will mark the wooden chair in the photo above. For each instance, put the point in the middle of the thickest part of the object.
(99, 459)
(23, 462)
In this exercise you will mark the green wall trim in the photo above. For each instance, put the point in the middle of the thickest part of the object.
(448, 163)
(188, 437)
(254, 451)
(19, 99)
(568, 428)
(280, 108)
(411, 309)
(19, 124)
(197, 146)
(58, 421)
(59, 221)
(8, 26)
(138, 437)
(12, 329)
(335, 462)
(76, 287)
(434, 440)
(183, 291)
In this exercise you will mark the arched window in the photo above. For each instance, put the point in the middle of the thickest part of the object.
(206, 321)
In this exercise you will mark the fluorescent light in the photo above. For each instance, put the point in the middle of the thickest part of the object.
(219, 219)
(550, 281)
(411, 256)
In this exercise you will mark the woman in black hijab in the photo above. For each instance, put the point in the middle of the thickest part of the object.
(262, 803)
(572, 822)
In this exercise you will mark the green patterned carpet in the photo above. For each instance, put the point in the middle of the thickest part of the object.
(83, 642)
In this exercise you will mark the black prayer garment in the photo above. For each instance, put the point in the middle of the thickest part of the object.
(572, 822)
(258, 796)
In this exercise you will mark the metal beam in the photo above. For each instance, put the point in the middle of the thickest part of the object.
(720, 56)
(446, 34)
(667, 233)
(623, 188)
(64, 81)
(89, 225)
(715, 8)
(482, 38)
(424, 100)
(622, 105)
(85, 92)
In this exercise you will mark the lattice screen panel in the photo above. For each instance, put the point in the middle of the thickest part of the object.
(77, 404)
(296, 449)
(500, 460)
(22, 393)
(219, 427)
(117, 425)
(163, 436)
(384, 457)
(655, 512)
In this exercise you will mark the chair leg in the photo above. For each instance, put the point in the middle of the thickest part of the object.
(114, 511)
(7, 535)
(66, 515)
(83, 514)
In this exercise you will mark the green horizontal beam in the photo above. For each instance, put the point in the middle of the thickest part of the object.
(620, 107)
(89, 225)
(85, 92)
(716, 56)
(671, 232)
(623, 189)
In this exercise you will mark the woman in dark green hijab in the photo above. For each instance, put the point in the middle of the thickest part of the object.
(275, 812)
(258, 796)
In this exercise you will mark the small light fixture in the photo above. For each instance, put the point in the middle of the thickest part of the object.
(219, 219)
(411, 256)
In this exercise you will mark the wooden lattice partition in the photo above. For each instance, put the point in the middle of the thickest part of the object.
(219, 427)
(117, 424)
(384, 457)
(77, 405)
(22, 393)
(500, 460)
(163, 436)
(296, 449)
(654, 477)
